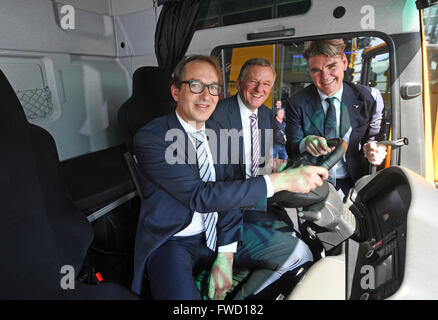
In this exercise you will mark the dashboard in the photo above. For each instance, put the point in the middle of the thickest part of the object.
(376, 254)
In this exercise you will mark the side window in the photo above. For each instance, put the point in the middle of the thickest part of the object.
(376, 73)
(217, 13)
(368, 63)
(430, 30)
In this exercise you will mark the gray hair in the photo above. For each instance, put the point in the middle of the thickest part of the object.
(255, 62)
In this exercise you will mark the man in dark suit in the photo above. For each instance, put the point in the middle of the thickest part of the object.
(190, 218)
(333, 108)
(254, 83)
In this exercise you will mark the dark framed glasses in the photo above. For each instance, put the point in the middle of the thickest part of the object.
(198, 87)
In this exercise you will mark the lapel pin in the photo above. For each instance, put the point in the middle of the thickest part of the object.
(355, 106)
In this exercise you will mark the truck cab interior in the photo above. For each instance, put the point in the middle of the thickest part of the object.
(78, 79)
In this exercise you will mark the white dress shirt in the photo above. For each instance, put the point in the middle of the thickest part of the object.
(246, 126)
(340, 167)
(197, 225)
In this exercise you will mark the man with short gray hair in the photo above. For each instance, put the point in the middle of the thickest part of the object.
(246, 113)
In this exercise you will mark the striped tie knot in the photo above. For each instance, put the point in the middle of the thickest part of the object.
(199, 136)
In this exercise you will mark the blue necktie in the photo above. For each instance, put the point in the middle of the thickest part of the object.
(210, 219)
(330, 120)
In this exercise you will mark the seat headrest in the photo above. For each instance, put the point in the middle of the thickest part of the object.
(151, 81)
(151, 98)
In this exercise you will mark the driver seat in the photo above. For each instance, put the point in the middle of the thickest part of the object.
(150, 99)
(43, 236)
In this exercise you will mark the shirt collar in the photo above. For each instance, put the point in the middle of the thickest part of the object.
(244, 111)
(188, 128)
(337, 95)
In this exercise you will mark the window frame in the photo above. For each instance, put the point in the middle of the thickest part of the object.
(394, 88)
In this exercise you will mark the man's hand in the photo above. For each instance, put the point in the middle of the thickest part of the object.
(299, 180)
(374, 152)
(316, 146)
(276, 165)
(221, 276)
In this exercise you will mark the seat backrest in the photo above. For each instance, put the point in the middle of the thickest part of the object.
(41, 230)
(150, 99)
(30, 262)
(73, 233)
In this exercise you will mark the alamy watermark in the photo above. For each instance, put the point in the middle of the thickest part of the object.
(225, 148)
(68, 280)
(368, 280)
(368, 19)
(67, 21)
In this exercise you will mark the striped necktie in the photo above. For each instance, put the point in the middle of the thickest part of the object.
(210, 219)
(254, 145)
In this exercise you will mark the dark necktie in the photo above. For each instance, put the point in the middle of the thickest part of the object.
(330, 120)
(210, 219)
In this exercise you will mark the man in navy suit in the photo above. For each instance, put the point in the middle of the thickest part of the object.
(172, 246)
(333, 108)
(254, 83)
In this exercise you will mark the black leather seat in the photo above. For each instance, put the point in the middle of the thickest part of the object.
(41, 230)
(151, 98)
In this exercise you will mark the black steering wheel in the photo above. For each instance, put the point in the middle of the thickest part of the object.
(297, 200)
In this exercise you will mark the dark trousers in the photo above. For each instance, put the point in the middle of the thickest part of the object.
(268, 253)
(171, 268)
(345, 184)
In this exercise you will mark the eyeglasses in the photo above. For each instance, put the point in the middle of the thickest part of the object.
(198, 87)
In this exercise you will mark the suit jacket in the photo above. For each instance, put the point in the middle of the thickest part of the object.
(174, 190)
(227, 114)
(305, 116)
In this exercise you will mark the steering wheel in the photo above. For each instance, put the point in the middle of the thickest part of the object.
(289, 199)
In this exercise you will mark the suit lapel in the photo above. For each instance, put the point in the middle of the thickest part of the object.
(233, 115)
(235, 121)
(263, 119)
(213, 137)
(314, 112)
(353, 104)
(265, 123)
(181, 138)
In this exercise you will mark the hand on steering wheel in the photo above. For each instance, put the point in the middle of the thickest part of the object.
(294, 200)
(299, 180)
(317, 146)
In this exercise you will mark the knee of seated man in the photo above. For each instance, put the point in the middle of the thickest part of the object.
(300, 255)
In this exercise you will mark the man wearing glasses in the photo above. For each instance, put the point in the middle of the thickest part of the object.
(190, 219)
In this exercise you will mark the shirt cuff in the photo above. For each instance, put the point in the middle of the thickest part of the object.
(269, 186)
(232, 247)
